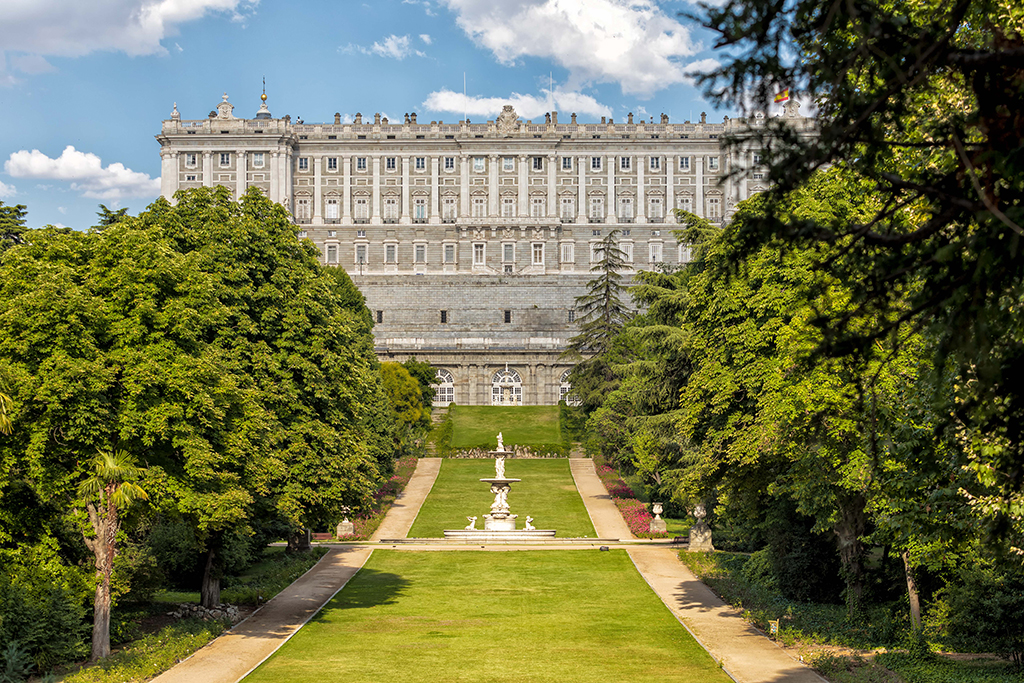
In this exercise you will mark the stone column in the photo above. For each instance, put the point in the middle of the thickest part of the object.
(168, 174)
(207, 169)
(610, 209)
(581, 190)
(670, 187)
(473, 370)
(241, 174)
(698, 192)
(406, 218)
(275, 181)
(318, 216)
(289, 182)
(552, 186)
(641, 195)
(346, 189)
(435, 191)
(464, 186)
(524, 185)
(492, 185)
(375, 195)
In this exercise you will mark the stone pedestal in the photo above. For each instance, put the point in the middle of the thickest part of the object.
(700, 538)
(658, 526)
(500, 523)
(345, 528)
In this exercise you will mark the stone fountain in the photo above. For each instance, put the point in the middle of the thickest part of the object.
(500, 524)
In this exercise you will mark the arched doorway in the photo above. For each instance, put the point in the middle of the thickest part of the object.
(565, 390)
(444, 388)
(506, 388)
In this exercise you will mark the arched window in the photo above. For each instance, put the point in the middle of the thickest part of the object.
(565, 390)
(506, 388)
(444, 388)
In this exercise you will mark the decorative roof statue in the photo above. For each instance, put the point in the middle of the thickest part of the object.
(508, 121)
(225, 108)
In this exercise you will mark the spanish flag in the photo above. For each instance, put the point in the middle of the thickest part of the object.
(782, 96)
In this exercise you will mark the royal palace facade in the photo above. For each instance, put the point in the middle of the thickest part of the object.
(471, 241)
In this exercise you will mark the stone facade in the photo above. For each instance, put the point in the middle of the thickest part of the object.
(472, 240)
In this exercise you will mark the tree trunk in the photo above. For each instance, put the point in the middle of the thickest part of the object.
(104, 548)
(912, 593)
(210, 591)
(849, 529)
(101, 620)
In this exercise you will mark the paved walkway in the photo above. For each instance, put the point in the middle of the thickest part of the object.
(608, 522)
(232, 656)
(747, 655)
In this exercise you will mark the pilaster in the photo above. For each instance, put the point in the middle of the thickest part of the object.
(375, 198)
(241, 174)
(406, 218)
(318, 163)
(641, 196)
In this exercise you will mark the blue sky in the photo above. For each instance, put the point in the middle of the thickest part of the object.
(84, 85)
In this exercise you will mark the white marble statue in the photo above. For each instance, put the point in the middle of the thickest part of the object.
(499, 467)
(500, 503)
(501, 444)
(472, 524)
(529, 523)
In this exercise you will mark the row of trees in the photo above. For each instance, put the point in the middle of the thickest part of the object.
(196, 357)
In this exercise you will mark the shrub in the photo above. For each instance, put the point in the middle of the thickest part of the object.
(634, 511)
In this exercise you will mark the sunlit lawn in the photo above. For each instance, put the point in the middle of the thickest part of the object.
(546, 492)
(524, 425)
(565, 616)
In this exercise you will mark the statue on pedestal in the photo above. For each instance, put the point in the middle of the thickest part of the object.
(472, 524)
(499, 467)
(700, 533)
(501, 444)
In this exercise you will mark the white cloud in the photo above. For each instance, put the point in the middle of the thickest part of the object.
(394, 47)
(425, 37)
(85, 172)
(7, 190)
(630, 42)
(426, 6)
(527, 106)
(73, 29)
(62, 209)
(31, 64)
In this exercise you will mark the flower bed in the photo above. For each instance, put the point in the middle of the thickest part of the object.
(367, 522)
(638, 517)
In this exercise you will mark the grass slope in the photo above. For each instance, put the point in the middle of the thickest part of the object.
(546, 492)
(565, 616)
(476, 426)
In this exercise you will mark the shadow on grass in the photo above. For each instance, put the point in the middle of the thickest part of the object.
(369, 588)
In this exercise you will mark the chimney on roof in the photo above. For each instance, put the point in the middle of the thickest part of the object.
(630, 118)
(604, 119)
(376, 119)
(573, 118)
(413, 117)
(407, 118)
(337, 118)
(703, 117)
(547, 117)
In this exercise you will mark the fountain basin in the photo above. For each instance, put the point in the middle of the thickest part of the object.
(514, 535)
(500, 482)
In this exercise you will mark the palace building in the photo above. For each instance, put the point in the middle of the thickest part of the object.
(471, 241)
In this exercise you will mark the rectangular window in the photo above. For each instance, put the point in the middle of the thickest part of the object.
(390, 163)
(225, 160)
(686, 204)
(596, 208)
(595, 252)
(380, 316)
(508, 316)
(508, 163)
(625, 209)
(655, 208)
(572, 319)
(421, 253)
(449, 209)
(360, 163)
(302, 211)
(449, 253)
(419, 210)
(595, 163)
(625, 163)
(362, 209)
(508, 253)
(685, 253)
(568, 255)
(303, 162)
(190, 160)
(712, 163)
(257, 159)
(360, 254)
(508, 207)
(391, 253)
(566, 163)
(684, 163)
(627, 251)
(714, 207)
(478, 254)
(444, 319)
(332, 233)
(332, 254)
(538, 254)
(479, 207)
(537, 207)
(538, 163)
(421, 163)
(390, 209)
(568, 208)
(449, 163)
(332, 163)
(332, 209)
(655, 163)
(478, 164)
(190, 178)
(655, 252)
(360, 233)
(757, 160)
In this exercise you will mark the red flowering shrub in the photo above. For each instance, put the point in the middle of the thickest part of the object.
(638, 517)
(367, 522)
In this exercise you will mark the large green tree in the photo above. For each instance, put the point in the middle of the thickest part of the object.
(923, 101)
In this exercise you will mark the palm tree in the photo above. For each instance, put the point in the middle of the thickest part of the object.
(106, 491)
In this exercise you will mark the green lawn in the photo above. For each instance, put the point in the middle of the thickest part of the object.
(476, 426)
(546, 492)
(560, 616)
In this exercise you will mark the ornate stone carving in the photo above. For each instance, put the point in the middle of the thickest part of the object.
(472, 524)
(508, 121)
(225, 108)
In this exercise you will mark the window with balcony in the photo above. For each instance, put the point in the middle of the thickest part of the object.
(567, 209)
(419, 210)
(655, 209)
(685, 253)
(361, 213)
(625, 209)
(390, 209)
(449, 210)
(331, 212)
(537, 207)
(714, 209)
(479, 207)
(508, 207)
(685, 204)
(302, 210)
(596, 210)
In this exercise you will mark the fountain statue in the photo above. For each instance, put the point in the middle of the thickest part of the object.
(472, 524)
